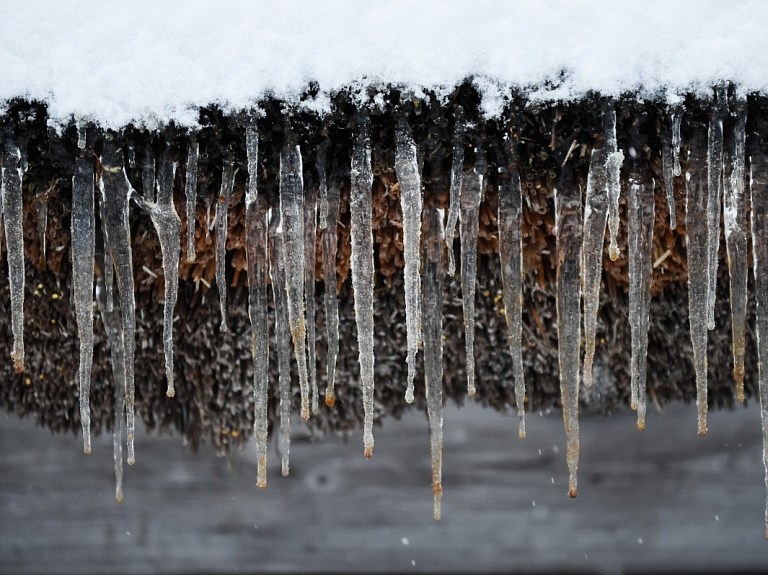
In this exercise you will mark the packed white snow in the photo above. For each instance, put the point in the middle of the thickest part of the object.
(150, 62)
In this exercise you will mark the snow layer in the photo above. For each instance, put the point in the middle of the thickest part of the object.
(150, 61)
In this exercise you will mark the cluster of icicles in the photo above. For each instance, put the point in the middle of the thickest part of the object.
(280, 242)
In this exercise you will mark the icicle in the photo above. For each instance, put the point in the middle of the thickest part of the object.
(595, 220)
(434, 270)
(361, 208)
(759, 211)
(109, 268)
(310, 239)
(148, 173)
(511, 257)
(13, 214)
(735, 219)
(258, 262)
(222, 226)
(409, 180)
(471, 196)
(675, 117)
(110, 317)
(669, 162)
(282, 335)
(83, 254)
(330, 240)
(115, 191)
(714, 185)
(292, 218)
(640, 219)
(568, 231)
(457, 171)
(168, 226)
(190, 191)
(696, 241)
(42, 224)
(615, 159)
(82, 133)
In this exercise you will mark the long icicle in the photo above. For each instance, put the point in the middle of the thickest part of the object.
(13, 216)
(735, 220)
(471, 195)
(457, 171)
(292, 218)
(168, 226)
(110, 318)
(409, 180)
(190, 192)
(595, 220)
(568, 231)
(511, 259)
(361, 208)
(282, 335)
(714, 187)
(640, 217)
(222, 227)
(310, 246)
(696, 241)
(258, 264)
(115, 191)
(615, 159)
(330, 241)
(759, 189)
(434, 270)
(83, 254)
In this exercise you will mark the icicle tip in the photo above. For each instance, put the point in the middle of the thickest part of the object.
(330, 401)
(368, 452)
(572, 493)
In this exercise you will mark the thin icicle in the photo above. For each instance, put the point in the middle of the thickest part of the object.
(330, 241)
(511, 257)
(668, 159)
(168, 226)
(696, 241)
(115, 191)
(714, 186)
(310, 242)
(457, 172)
(640, 219)
(595, 220)
(434, 270)
(361, 208)
(409, 180)
(190, 191)
(42, 224)
(735, 219)
(675, 117)
(13, 215)
(568, 232)
(148, 173)
(258, 264)
(110, 317)
(282, 335)
(292, 217)
(471, 196)
(614, 160)
(759, 212)
(322, 153)
(83, 254)
(222, 226)
(109, 268)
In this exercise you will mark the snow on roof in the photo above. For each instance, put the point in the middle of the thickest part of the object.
(153, 61)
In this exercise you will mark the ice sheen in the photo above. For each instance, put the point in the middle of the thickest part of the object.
(222, 227)
(409, 180)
